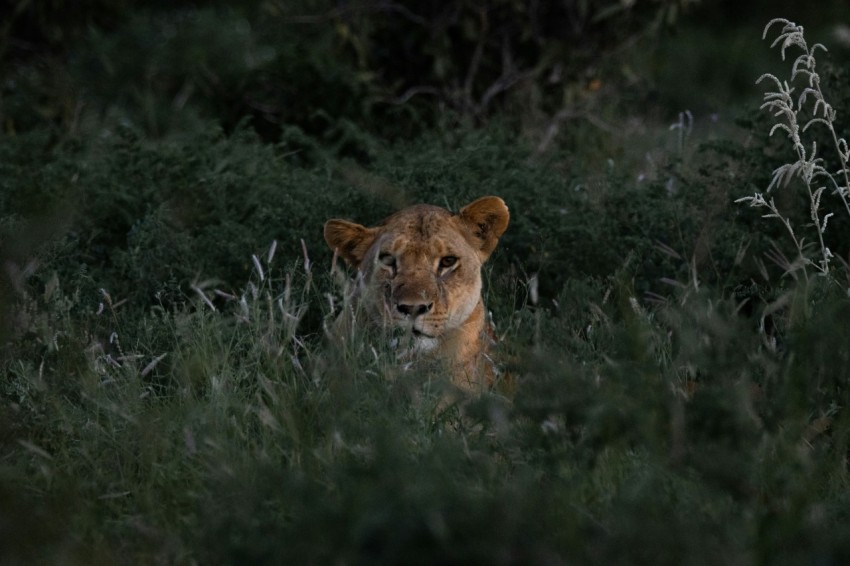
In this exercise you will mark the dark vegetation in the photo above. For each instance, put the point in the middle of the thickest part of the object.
(682, 388)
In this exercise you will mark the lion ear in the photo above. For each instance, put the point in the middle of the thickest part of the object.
(488, 219)
(351, 241)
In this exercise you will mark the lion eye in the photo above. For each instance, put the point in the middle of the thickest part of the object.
(448, 261)
(387, 259)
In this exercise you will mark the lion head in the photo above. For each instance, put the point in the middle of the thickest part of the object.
(420, 272)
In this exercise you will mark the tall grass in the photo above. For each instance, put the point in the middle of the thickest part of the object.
(679, 433)
(814, 172)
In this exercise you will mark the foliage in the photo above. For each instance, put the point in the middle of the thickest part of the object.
(225, 436)
(315, 65)
(166, 394)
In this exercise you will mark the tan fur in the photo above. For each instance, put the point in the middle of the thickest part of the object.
(420, 272)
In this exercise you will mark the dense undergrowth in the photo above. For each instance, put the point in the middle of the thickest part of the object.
(166, 394)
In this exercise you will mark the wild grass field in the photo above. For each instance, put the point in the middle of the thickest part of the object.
(672, 296)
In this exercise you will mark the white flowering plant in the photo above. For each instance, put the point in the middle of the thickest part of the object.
(796, 114)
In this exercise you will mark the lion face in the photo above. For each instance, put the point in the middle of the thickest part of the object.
(421, 269)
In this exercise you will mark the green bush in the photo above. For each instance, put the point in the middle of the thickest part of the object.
(389, 69)
(228, 435)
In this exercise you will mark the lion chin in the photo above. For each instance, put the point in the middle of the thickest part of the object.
(420, 274)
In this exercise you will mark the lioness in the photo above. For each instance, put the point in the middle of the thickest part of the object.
(420, 272)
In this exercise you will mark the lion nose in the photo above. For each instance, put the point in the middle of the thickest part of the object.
(414, 309)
